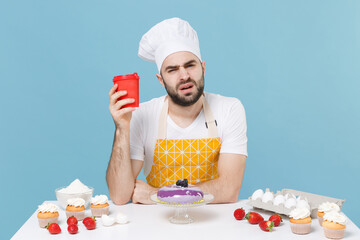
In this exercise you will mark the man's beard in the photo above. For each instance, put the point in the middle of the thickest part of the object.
(186, 101)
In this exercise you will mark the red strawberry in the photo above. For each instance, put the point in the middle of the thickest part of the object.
(72, 220)
(266, 225)
(89, 223)
(72, 228)
(53, 228)
(254, 218)
(239, 214)
(87, 219)
(276, 219)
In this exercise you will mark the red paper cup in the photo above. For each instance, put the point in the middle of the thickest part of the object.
(129, 83)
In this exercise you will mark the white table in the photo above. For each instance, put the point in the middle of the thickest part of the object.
(212, 221)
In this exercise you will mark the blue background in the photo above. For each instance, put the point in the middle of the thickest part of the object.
(295, 65)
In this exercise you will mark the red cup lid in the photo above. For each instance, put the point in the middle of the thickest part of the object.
(134, 76)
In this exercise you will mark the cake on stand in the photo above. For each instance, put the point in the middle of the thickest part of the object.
(181, 215)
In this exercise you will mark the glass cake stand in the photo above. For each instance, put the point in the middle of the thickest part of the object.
(181, 215)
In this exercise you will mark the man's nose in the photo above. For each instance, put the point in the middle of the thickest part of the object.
(184, 75)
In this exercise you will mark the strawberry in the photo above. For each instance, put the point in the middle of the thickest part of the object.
(239, 214)
(72, 220)
(72, 228)
(276, 219)
(254, 218)
(87, 219)
(53, 228)
(90, 223)
(266, 225)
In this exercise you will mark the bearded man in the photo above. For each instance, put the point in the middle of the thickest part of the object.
(188, 133)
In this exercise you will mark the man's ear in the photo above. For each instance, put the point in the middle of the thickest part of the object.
(203, 66)
(160, 79)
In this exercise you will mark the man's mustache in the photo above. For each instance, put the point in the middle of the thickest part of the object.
(188, 81)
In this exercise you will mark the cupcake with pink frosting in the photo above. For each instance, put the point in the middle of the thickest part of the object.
(324, 208)
(334, 225)
(99, 205)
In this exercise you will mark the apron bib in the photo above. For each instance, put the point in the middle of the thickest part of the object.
(193, 159)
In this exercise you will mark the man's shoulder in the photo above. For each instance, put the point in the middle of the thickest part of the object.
(151, 106)
(154, 102)
(220, 101)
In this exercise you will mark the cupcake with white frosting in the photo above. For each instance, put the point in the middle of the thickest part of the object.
(99, 205)
(76, 207)
(300, 221)
(47, 213)
(324, 208)
(334, 225)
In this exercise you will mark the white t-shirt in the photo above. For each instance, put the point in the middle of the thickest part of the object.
(228, 112)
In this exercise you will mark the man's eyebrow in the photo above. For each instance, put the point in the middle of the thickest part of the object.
(171, 67)
(177, 66)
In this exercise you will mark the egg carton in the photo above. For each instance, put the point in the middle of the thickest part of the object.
(314, 201)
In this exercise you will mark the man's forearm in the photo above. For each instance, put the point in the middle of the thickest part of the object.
(222, 190)
(227, 186)
(119, 176)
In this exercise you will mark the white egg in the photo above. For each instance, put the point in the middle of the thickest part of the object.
(268, 196)
(257, 194)
(303, 204)
(290, 202)
(121, 218)
(279, 199)
(107, 221)
(286, 196)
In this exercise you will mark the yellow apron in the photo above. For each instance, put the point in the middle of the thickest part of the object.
(194, 159)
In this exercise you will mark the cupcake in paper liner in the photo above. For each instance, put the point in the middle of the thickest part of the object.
(47, 213)
(99, 205)
(75, 207)
(324, 208)
(300, 221)
(334, 225)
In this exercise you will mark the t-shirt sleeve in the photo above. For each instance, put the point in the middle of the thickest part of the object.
(234, 139)
(137, 151)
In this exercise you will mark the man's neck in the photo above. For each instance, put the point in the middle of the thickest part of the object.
(184, 116)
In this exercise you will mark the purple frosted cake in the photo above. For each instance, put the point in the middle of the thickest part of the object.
(180, 193)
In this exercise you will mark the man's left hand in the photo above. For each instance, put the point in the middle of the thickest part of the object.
(142, 192)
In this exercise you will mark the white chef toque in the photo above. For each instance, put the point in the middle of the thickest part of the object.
(167, 37)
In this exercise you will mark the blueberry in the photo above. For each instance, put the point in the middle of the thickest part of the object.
(179, 182)
(185, 183)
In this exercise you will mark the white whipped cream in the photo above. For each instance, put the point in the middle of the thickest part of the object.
(77, 202)
(336, 217)
(75, 187)
(328, 206)
(99, 199)
(299, 213)
(121, 218)
(107, 220)
(48, 207)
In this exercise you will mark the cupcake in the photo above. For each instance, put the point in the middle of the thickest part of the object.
(76, 207)
(47, 213)
(334, 225)
(300, 221)
(99, 205)
(324, 208)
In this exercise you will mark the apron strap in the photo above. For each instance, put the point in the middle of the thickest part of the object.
(163, 120)
(209, 118)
